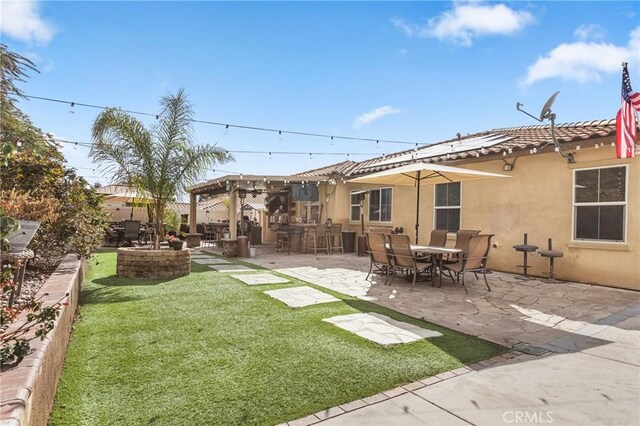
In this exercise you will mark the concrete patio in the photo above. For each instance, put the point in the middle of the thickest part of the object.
(576, 356)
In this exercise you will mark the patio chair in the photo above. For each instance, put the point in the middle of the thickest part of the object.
(379, 254)
(381, 229)
(403, 259)
(318, 235)
(209, 235)
(131, 231)
(334, 238)
(111, 237)
(283, 240)
(438, 238)
(462, 243)
(474, 259)
(149, 233)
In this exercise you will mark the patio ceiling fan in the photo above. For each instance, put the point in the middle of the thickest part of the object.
(547, 114)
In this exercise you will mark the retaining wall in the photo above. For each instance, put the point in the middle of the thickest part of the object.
(27, 391)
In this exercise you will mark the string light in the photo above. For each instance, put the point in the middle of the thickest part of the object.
(226, 126)
(269, 153)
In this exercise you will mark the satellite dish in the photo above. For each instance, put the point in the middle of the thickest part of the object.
(546, 109)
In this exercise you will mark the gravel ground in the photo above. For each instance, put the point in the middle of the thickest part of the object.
(37, 273)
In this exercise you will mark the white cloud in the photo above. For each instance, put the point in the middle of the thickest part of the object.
(469, 20)
(376, 114)
(589, 32)
(408, 29)
(584, 61)
(21, 20)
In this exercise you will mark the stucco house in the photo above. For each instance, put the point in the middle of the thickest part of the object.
(589, 207)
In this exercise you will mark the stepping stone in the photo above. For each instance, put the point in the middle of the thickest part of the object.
(381, 329)
(211, 261)
(259, 279)
(298, 297)
(230, 268)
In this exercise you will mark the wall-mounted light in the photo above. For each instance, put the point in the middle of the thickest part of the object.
(508, 166)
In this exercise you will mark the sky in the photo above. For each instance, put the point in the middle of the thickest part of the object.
(417, 72)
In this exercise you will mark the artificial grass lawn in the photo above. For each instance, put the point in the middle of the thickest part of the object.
(207, 349)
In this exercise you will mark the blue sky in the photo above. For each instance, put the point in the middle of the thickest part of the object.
(414, 71)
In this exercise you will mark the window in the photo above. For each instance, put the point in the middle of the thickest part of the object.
(599, 204)
(447, 206)
(380, 205)
(355, 207)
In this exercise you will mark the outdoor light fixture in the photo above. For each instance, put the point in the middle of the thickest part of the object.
(507, 167)
(242, 193)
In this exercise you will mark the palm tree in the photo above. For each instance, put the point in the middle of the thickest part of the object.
(161, 161)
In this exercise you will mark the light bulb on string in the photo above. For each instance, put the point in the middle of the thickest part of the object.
(279, 135)
(331, 140)
(377, 144)
(226, 129)
(269, 155)
(71, 111)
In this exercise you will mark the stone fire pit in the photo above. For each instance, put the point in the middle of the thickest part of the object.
(139, 262)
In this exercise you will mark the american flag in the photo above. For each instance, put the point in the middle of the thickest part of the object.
(626, 129)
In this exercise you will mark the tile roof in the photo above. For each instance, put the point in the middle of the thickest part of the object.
(516, 139)
(341, 169)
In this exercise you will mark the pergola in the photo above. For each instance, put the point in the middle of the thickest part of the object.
(235, 184)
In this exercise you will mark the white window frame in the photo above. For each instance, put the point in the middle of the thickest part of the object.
(390, 188)
(352, 205)
(436, 207)
(599, 204)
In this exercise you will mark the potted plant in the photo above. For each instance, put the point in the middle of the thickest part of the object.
(174, 242)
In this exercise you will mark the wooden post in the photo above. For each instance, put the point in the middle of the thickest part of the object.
(233, 214)
(192, 213)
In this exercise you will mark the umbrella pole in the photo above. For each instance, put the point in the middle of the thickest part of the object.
(417, 206)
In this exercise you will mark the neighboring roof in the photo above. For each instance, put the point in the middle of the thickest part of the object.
(511, 141)
(341, 169)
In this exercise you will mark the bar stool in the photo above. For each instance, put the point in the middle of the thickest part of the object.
(551, 254)
(334, 232)
(318, 235)
(525, 249)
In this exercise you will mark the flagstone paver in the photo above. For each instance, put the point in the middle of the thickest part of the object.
(345, 281)
(298, 297)
(211, 261)
(231, 268)
(381, 329)
(260, 279)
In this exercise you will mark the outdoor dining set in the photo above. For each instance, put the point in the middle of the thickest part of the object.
(393, 254)
(128, 232)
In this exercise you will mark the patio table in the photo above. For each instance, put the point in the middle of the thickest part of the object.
(436, 253)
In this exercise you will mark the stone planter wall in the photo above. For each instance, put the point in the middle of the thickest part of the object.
(27, 391)
(136, 262)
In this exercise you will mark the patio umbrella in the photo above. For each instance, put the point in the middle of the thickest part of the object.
(415, 173)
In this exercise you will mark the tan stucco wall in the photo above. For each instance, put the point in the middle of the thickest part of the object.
(537, 199)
